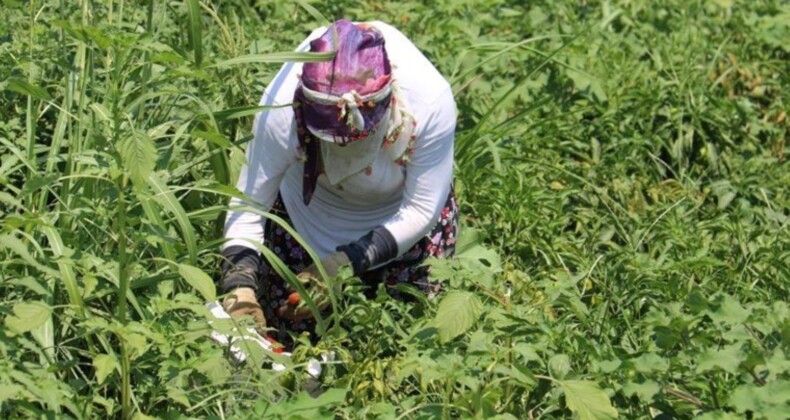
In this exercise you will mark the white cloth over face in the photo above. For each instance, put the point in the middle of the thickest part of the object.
(405, 199)
(343, 160)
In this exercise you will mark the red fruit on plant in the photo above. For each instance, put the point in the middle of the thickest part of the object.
(276, 346)
(293, 299)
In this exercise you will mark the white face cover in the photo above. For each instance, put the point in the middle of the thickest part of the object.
(343, 160)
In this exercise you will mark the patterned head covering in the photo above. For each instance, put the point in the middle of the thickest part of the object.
(344, 99)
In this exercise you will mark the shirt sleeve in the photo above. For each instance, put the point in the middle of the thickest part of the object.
(429, 175)
(269, 156)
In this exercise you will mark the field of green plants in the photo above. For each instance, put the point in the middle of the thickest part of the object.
(622, 172)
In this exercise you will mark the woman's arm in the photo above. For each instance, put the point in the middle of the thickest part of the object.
(269, 156)
(429, 176)
(428, 180)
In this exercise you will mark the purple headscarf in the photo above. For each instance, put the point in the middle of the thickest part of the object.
(359, 70)
(361, 62)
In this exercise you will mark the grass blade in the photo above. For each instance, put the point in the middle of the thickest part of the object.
(320, 18)
(66, 272)
(278, 57)
(167, 200)
(195, 31)
(24, 87)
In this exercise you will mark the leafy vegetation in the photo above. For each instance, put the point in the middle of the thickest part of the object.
(622, 172)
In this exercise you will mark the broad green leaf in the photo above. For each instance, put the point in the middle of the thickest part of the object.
(697, 302)
(9, 391)
(101, 111)
(457, 312)
(727, 358)
(559, 366)
(138, 153)
(24, 87)
(778, 364)
(725, 199)
(479, 342)
(104, 364)
(199, 280)
(518, 373)
(472, 263)
(442, 269)
(305, 406)
(213, 137)
(10, 199)
(215, 368)
(45, 336)
(729, 311)
(608, 366)
(650, 362)
(470, 246)
(382, 410)
(18, 247)
(178, 395)
(587, 400)
(32, 285)
(645, 390)
(28, 316)
(86, 34)
(527, 351)
(36, 183)
(134, 336)
(769, 401)
(584, 81)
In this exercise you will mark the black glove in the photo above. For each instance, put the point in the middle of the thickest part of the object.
(241, 267)
(377, 247)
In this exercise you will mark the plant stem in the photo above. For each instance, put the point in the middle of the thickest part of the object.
(715, 398)
(126, 385)
(123, 269)
(683, 396)
(29, 125)
(123, 288)
(121, 183)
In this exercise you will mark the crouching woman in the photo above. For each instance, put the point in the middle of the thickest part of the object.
(358, 158)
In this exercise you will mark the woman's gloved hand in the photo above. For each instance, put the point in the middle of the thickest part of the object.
(331, 264)
(243, 302)
(311, 280)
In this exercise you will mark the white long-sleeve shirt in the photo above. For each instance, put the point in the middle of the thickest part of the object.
(405, 199)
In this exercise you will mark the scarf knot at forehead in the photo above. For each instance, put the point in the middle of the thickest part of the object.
(359, 112)
(349, 109)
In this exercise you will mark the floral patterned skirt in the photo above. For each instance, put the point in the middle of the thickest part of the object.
(406, 269)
